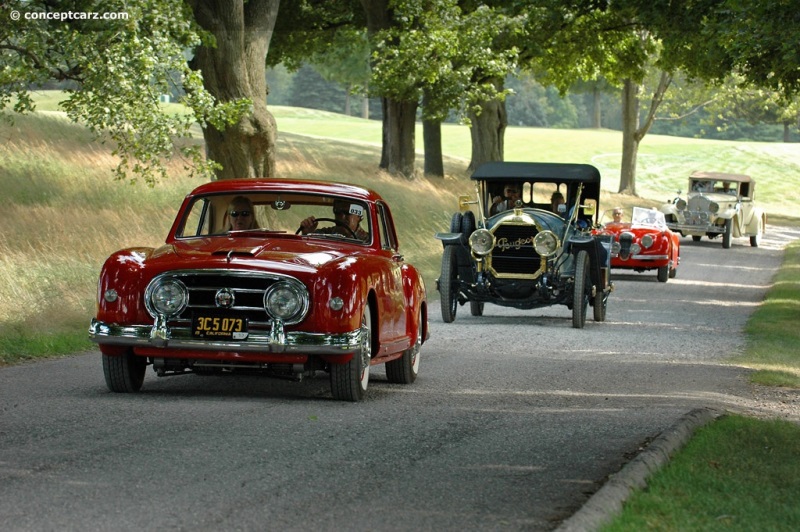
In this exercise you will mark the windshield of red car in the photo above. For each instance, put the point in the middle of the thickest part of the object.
(272, 213)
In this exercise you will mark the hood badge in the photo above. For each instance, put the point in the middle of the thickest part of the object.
(224, 298)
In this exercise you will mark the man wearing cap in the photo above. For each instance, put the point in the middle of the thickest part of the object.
(348, 215)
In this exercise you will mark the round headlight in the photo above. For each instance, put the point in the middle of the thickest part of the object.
(713, 207)
(646, 241)
(681, 205)
(169, 297)
(481, 242)
(285, 301)
(545, 243)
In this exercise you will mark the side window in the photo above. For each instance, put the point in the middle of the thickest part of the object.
(198, 220)
(386, 229)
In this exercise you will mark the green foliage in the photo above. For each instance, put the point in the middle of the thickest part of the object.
(119, 68)
(451, 55)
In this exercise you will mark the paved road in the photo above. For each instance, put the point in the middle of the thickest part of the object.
(515, 420)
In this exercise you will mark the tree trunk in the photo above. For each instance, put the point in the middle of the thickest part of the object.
(432, 140)
(399, 130)
(399, 117)
(632, 134)
(596, 113)
(236, 69)
(488, 132)
(347, 100)
(630, 142)
(787, 132)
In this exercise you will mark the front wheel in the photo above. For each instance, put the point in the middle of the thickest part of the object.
(663, 274)
(124, 373)
(755, 239)
(696, 238)
(600, 303)
(405, 369)
(580, 296)
(448, 284)
(349, 381)
(476, 308)
(726, 236)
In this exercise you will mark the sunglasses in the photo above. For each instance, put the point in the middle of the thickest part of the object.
(236, 214)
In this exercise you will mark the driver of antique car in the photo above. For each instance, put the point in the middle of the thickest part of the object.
(348, 216)
(511, 196)
(241, 214)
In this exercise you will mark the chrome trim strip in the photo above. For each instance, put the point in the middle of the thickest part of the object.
(649, 257)
(274, 341)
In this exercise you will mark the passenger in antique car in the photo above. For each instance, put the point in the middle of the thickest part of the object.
(556, 200)
(346, 213)
(511, 195)
(241, 214)
(617, 215)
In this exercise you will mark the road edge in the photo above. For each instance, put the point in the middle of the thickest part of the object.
(607, 502)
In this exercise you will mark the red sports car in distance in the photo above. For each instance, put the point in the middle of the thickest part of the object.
(275, 277)
(642, 241)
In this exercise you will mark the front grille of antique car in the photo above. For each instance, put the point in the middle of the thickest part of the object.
(513, 254)
(247, 289)
(697, 211)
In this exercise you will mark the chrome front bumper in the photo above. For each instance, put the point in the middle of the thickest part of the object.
(274, 341)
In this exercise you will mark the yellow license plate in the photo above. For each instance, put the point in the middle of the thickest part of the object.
(219, 327)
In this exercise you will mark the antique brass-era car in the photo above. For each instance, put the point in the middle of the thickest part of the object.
(531, 244)
(282, 295)
(717, 204)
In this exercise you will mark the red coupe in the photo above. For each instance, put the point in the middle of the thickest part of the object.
(281, 278)
(642, 241)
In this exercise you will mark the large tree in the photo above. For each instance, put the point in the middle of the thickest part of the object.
(232, 60)
(116, 69)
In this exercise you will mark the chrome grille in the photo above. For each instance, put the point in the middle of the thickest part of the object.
(513, 253)
(247, 288)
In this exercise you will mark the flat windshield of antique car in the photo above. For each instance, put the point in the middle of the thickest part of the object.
(273, 214)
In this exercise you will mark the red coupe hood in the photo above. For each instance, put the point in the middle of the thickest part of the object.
(227, 252)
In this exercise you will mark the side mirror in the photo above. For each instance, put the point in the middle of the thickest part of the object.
(589, 209)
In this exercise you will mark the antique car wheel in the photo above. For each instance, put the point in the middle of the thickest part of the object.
(673, 272)
(755, 240)
(696, 238)
(447, 283)
(600, 303)
(404, 370)
(455, 222)
(124, 373)
(467, 224)
(580, 296)
(726, 236)
(663, 274)
(476, 308)
(338, 223)
(349, 381)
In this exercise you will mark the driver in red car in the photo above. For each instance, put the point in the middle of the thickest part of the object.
(348, 217)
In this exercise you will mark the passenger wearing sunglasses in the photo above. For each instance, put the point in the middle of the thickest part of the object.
(241, 214)
(348, 217)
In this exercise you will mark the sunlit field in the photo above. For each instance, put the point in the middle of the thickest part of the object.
(63, 213)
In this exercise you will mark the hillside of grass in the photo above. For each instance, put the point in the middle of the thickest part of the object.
(64, 214)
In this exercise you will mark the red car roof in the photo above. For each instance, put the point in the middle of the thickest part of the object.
(281, 185)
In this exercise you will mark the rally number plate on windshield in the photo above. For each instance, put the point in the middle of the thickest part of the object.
(219, 327)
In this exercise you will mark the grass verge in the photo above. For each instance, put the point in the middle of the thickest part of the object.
(737, 473)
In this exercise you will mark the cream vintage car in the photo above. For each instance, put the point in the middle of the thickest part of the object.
(717, 204)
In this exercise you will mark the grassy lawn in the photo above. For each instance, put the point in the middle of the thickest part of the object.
(63, 215)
